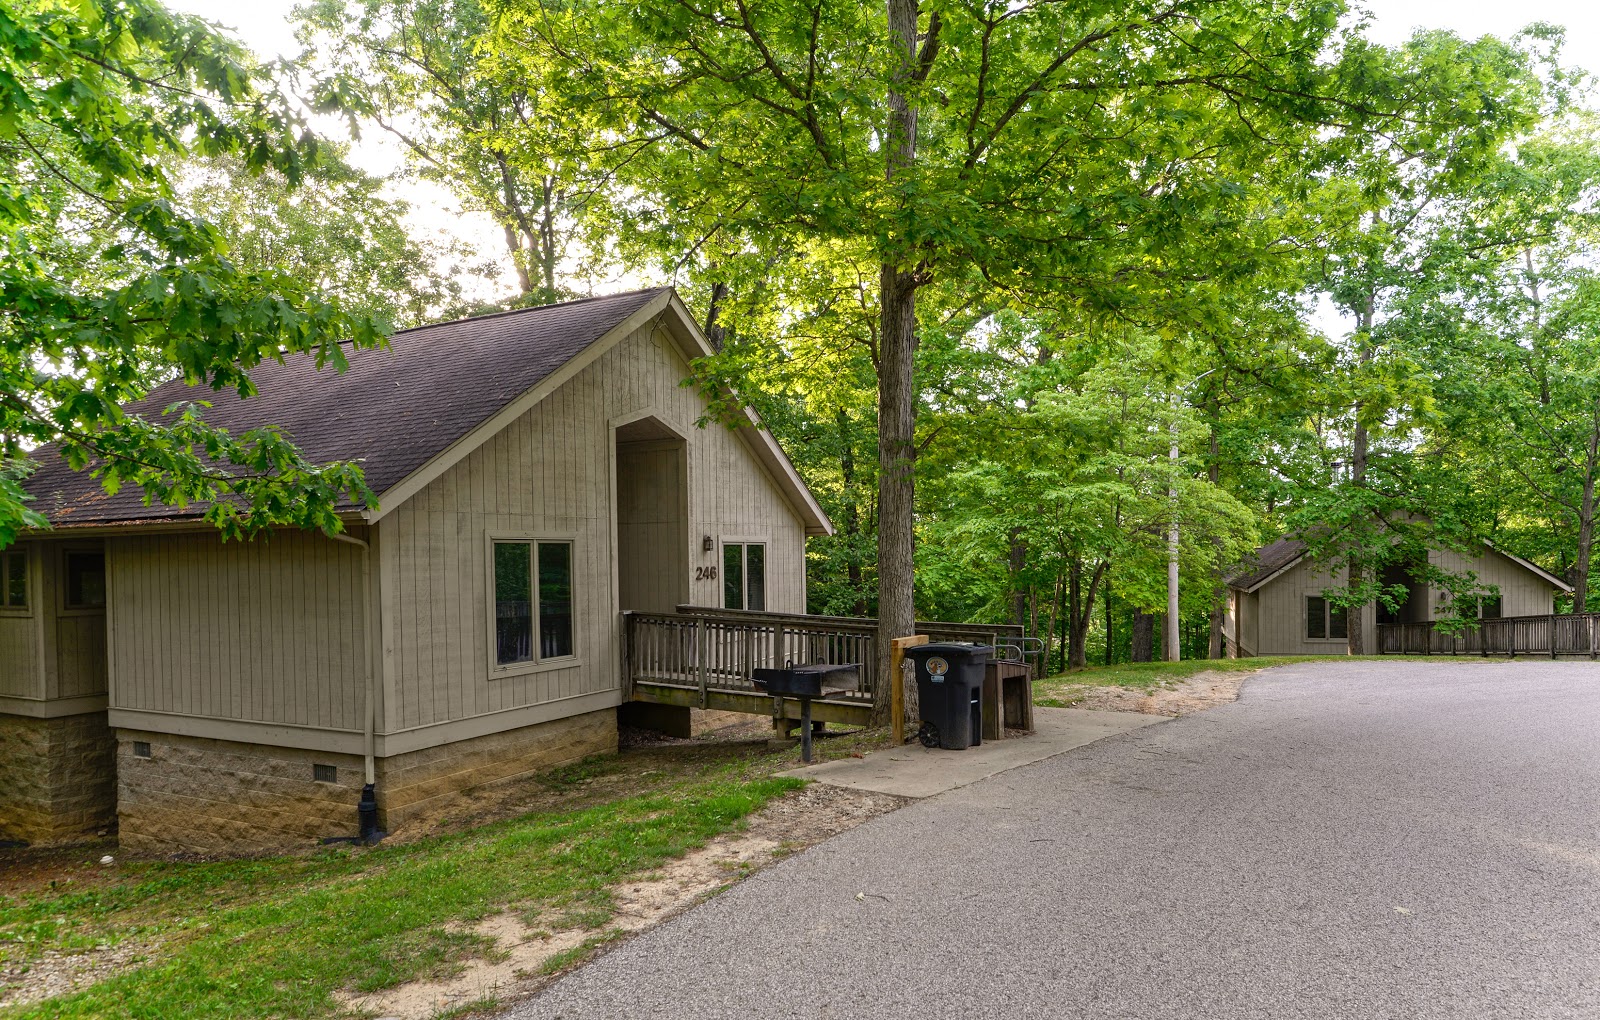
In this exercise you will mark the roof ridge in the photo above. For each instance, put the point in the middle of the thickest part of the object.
(532, 308)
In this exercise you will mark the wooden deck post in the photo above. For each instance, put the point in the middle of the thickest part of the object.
(700, 643)
(897, 679)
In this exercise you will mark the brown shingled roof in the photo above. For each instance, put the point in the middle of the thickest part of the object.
(1268, 560)
(392, 409)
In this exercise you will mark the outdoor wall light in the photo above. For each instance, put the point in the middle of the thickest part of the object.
(707, 545)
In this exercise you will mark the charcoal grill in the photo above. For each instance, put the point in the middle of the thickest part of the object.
(804, 682)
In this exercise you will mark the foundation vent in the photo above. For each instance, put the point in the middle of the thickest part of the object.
(141, 748)
(325, 773)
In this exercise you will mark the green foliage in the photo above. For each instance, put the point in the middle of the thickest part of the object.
(108, 284)
(416, 66)
(338, 234)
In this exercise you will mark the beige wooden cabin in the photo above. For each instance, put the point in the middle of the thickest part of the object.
(538, 472)
(1277, 605)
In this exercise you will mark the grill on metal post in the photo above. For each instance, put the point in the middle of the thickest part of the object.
(816, 680)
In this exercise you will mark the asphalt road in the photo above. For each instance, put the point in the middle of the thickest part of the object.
(1398, 840)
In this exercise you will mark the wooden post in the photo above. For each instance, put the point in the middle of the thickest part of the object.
(701, 642)
(897, 679)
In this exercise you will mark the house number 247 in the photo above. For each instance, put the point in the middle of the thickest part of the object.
(705, 573)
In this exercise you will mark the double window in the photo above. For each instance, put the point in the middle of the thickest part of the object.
(13, 579)
(1324, 620)
(744, 575)
(532, 602)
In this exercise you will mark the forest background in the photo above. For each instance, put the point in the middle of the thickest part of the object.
(1018, 286)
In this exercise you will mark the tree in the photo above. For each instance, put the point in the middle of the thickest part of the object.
(1517, 351)
(416, 65)
(107, 284)
(1105, 152)
(1465, 101)
(337, 233)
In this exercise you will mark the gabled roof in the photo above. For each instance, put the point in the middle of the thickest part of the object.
(1272, 560)
(1268, 562)
(1532, 567)
(412, 410)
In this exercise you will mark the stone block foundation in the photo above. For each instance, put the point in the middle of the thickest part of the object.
(57, 778)
(215, 796)
(426, 782)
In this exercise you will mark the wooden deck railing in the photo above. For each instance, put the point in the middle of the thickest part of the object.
(718, 649)
(1511, 635)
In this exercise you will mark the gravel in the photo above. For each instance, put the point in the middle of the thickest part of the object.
(1393, 839)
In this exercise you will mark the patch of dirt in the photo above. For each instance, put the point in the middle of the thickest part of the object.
(1175, 698)
(524, 949)
(57, 973)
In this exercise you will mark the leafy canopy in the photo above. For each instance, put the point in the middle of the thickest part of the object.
(109, 284)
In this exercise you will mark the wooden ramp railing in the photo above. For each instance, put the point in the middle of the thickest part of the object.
(707, 657)
(1554, 636)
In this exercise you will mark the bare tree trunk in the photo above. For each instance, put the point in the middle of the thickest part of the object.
(1108, 621)
(1219, 588)
(547, 237)
(897, 310)
(1356, 641)
(1018, 559)
(1144, 632)
(1082, 612)
(716, 333)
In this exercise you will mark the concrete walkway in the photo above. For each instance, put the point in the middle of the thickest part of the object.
(1350, 841)
(917, 771)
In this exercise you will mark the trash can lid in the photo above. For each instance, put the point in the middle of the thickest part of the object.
(954, 648)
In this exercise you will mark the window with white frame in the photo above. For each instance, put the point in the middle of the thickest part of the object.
(532, 601)
(744, 575)
(1324, 620)
(14, 579)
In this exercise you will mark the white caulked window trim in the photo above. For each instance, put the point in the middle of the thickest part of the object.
(537, 662)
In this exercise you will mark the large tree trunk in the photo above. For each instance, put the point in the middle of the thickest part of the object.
(1219, 588)
(897, 345)
(1144, 632)
(1016, 561)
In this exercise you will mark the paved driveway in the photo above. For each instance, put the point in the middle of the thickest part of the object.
(1398, 840)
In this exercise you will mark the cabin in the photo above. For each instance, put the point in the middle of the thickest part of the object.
(1277, 603)
(538, 472)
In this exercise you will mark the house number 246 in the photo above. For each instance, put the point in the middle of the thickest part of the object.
(705, 573)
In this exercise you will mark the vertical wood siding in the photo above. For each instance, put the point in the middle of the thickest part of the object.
(1281, 623)
(549, 473)
(1522, 593)
(267, 631)
(19, 663)
(1282, 603)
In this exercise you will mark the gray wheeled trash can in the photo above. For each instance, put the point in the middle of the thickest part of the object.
(950, 693)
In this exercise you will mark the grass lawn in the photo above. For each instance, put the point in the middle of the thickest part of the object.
(276, 937)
